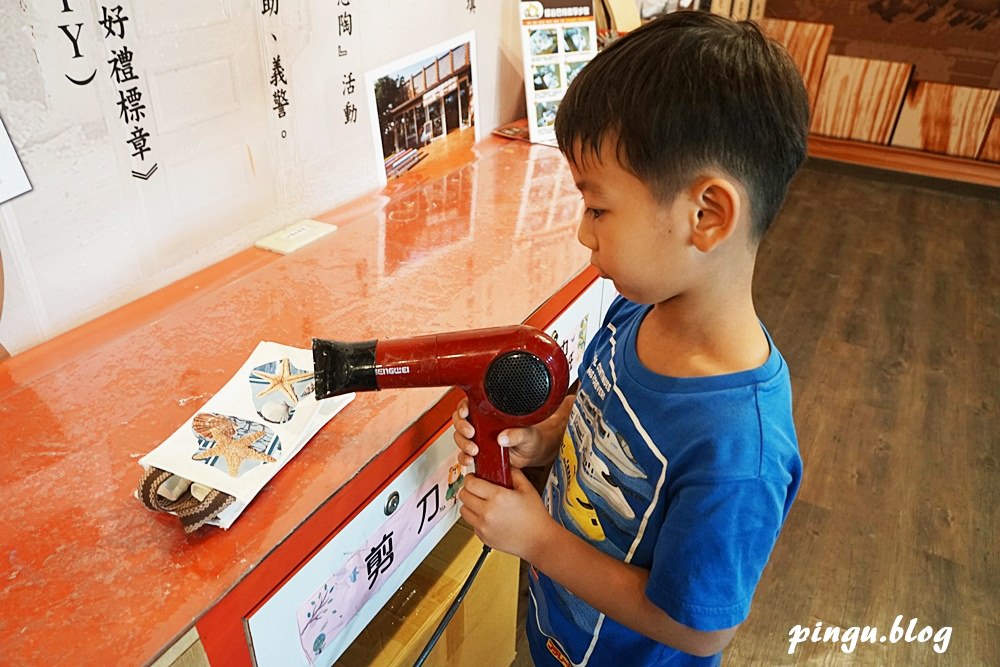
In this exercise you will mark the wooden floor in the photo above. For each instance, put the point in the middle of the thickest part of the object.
(883, 293)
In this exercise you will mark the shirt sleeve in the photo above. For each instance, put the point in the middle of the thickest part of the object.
(711, 551)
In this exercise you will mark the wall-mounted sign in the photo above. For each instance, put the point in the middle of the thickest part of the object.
(132, 105)
(558, 37)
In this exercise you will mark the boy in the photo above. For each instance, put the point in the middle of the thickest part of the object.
(676, 463)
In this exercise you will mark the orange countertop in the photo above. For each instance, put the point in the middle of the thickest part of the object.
(87, 572)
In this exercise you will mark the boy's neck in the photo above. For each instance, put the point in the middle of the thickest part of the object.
(716, 332)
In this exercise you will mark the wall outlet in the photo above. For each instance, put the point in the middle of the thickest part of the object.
(295, 236)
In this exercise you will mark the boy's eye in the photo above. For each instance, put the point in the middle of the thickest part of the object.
(594, 213)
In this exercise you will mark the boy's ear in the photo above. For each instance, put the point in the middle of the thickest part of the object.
(716, 213)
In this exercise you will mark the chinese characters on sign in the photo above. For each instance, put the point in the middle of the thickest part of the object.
(379, 559)
(345, 33)
(278, 81)
(323, 617)
(277, 77)
(131, 106)
(424, 518)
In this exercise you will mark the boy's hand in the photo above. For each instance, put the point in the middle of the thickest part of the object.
(528, 446)
(524, 444)
(511, 520)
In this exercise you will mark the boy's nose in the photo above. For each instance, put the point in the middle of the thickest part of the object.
(585, 235)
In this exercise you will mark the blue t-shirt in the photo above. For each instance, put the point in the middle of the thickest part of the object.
(689, 478)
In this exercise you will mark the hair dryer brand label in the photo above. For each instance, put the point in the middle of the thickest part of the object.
(393, 370)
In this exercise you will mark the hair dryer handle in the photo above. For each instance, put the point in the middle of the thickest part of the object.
(493, 461)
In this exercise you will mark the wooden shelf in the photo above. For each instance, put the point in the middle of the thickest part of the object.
(902, 159)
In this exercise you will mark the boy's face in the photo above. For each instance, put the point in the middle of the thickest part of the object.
(640, 243)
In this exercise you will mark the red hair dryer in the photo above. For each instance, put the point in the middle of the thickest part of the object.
(513, 376)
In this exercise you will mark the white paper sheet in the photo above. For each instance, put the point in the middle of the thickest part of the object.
(13, 180)
(238, 440)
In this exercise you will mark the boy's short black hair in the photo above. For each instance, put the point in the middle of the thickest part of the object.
(688, 91)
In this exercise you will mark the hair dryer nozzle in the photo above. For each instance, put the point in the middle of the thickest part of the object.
(341, 368)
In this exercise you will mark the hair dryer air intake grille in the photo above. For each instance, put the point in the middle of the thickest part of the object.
(517, 383)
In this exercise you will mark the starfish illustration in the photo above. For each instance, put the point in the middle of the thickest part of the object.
(234, 450)
(283, 381)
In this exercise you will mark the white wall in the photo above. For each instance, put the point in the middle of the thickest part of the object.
(90, 237)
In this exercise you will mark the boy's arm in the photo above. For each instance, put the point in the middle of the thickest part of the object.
(617, 589)
(516, 521)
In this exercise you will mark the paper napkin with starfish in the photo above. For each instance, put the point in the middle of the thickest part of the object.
(210, 469)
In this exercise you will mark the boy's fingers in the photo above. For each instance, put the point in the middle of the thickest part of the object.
(476, 487)
(462, 426)
(466, 496)
(467, 513)
(512, 437)
(465, 444)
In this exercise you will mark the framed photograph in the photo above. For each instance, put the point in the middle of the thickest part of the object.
(424, 106)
